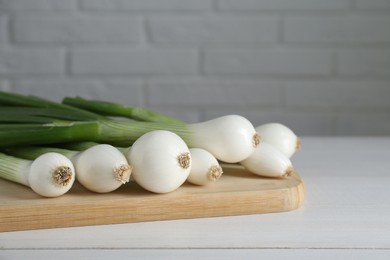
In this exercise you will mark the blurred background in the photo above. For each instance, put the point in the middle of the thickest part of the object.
(322, 67)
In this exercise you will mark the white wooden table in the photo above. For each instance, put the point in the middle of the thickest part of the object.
(346, 215)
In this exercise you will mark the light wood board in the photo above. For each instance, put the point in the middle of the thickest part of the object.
(238, 192)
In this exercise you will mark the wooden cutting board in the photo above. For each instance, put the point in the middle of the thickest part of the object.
(238, 192)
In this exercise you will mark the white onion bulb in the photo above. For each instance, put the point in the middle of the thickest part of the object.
(205, 168)
(230, 138)
(161, 161)
(51, 175)
(102, 168)
(280, 136)
(268, 161)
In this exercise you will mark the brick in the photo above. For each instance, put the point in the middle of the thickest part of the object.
(56, 88)
(189, 115)
(373, 4)
(364, 62)
(196, 29)
(146, 5)
(80, 29)
(353, 28)
(302, 122)
(37, 5)
(122, 61)
(346, 94)
(273, 61)
(31, 61)
(3, 29)
(364, 123)
(278, 5)
(214, 92)
(126, 91)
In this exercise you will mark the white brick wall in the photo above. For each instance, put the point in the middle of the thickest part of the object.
(3, 29)
(32, 61)
(108, 89)
(373, 4)
(282, 5)
(148, 5)
(38, 5)
(75, 29)
(268, 61)
(364, 62)
(215, 29)
(212, 93)
(338, 28)
(342, 94)
(320, 66)
(116, 61)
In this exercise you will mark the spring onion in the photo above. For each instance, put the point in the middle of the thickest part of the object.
(280, 136)
(101, 168)
(205, 168)
(161, 161)
(230, 138)
(49, 175)
(267, 161)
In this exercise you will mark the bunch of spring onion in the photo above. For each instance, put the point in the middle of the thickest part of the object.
(28, 121)
(229, 138)
(271, 158)
(193, 149)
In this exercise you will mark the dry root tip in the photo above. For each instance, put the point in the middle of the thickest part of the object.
(256, 139)
(122, 173)
(62, 175)
(184, 160)
(298, 144)
(215, 172)
(289, 171)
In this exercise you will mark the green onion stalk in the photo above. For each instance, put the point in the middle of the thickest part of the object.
(51, 109)
(116, 132)
(30, 120)
(230, 138)
(119, 110)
